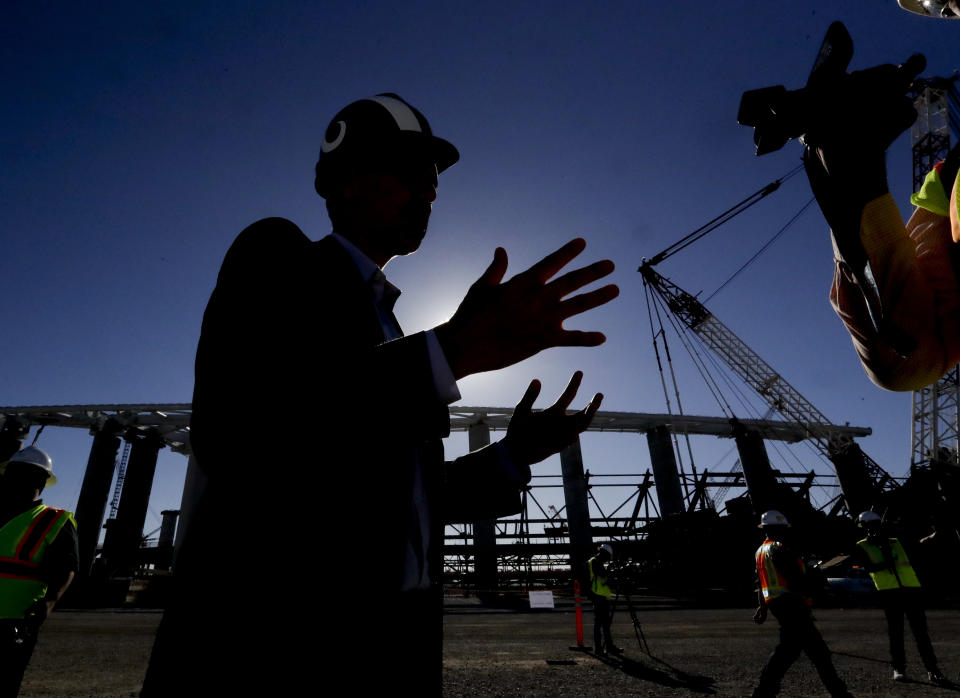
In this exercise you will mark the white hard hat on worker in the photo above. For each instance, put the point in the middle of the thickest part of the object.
(32, 455)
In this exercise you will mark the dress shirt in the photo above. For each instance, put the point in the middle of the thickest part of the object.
(385, 294)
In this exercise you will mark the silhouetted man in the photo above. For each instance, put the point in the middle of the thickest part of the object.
(305, 384)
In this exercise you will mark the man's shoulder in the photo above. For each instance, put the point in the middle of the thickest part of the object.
(267, 238)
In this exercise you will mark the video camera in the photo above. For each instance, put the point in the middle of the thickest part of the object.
(778, 114)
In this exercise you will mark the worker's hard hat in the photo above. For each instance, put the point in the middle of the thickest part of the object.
(606, 548)
(32, 455)
(868, 517)
(374, 128)
(773, 518)
(930, 8)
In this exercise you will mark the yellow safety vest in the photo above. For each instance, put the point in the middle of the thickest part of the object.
(772, 582)
(23, 542)
(898, 572)
(598, 583)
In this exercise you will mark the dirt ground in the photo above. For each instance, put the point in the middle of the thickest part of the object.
(504, 653)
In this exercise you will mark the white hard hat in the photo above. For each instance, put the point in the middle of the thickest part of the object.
(607, 549)
(868, 517)
(773, 518)
(34, 456)
(929, 8)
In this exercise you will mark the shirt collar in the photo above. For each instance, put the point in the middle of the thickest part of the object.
(383, 291)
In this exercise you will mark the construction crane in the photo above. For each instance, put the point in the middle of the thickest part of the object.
(862, 481)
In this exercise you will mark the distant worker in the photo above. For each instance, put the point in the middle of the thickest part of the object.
(900, 595)
(38, 560)
(895, 286)
(601, 594)
(784, 587)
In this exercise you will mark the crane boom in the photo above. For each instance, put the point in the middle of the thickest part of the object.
(767, 383)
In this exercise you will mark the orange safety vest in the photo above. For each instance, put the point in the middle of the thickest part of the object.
(772, 582)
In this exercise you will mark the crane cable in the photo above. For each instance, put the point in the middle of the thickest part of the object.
(763, 249)
(727, 215)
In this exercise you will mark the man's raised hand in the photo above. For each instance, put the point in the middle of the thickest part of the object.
(501, 323)
(533, 436)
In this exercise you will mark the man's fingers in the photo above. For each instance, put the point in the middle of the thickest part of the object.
(568, 283)
(587, 301)
(498, 267)
(592, 408)
(585, 416)
(555, 261)
(529, 397)
(578, 338)
(570, 392)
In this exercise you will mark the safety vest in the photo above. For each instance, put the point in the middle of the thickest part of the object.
(897, 573)
(598, 583)
(23, 542)
(772, 582)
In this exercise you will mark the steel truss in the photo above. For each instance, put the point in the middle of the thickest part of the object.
(935, 433)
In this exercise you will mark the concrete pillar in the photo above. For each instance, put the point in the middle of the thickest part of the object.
(484, 532)
(127, 532)
(94, 493)
(665, 476)
(578, 511)
(168, 527)
(761, 482)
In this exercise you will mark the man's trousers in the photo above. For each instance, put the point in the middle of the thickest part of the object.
(797, 634)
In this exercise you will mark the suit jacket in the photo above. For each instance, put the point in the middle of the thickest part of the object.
(309, 427)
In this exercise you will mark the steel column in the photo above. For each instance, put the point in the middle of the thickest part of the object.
(127, 533)
(578, 510)
(665, 475)
(484, 532)
(94, 493)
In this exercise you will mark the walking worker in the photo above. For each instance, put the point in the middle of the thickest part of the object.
(601, 594)
(38, 559)
(900, 595)
(784, 590)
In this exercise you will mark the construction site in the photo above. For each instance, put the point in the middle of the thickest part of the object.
(684, 620)
(651, 516)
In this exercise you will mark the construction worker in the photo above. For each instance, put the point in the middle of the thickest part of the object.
(784, 589)
(900, 595)
(601, 594)
(38, 559)
(895, 285)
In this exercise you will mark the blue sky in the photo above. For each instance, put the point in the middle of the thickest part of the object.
(136, 142)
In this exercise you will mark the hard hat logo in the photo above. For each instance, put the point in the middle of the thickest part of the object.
(31, 455)
(334, 136)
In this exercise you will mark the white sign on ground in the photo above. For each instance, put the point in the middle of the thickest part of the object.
(541, 599)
